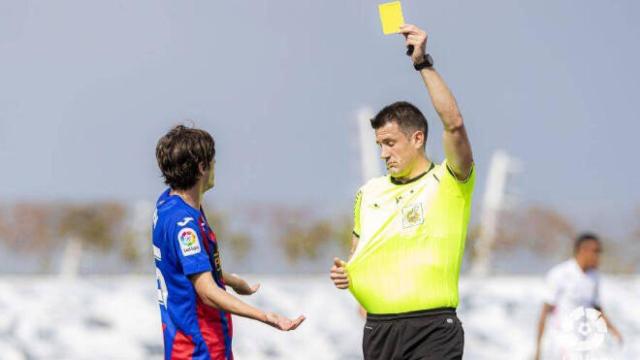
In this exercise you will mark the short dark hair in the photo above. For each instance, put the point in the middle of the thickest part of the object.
(582, 238)
(408, 117)
(179, 154)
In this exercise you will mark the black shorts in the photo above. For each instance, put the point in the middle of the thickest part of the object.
(431, 334)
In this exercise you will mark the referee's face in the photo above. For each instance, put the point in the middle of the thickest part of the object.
(399, 151)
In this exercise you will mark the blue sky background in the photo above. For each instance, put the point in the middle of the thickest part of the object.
(87, 88)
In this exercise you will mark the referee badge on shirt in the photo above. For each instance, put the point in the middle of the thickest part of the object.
(412, 215)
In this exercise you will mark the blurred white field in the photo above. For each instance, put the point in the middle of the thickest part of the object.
(118, 318)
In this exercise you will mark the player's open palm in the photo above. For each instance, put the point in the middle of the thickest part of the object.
(282, 323)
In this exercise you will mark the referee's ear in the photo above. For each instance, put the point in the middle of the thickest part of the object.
(420, 139)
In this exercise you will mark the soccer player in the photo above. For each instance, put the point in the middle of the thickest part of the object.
(570, 285)
(410, 228)
(195, 307)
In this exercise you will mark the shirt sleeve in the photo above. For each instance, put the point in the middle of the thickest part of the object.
(356, 213)
(189, 249)
(465, 186)
(552, 289)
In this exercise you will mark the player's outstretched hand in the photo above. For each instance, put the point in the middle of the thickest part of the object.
(243, 288)
(282, 323)
(416, 37)
(339, 274)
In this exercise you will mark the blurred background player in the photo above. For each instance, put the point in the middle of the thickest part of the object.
(410, 228)
(194, 305)
(570, 285)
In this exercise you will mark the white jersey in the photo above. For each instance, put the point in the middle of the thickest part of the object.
(568, 287)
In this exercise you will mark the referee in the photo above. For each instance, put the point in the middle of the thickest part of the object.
(410, 228)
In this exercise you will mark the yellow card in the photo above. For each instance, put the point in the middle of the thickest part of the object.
(391, 17)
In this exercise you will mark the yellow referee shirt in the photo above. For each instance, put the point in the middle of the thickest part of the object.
(412, 239)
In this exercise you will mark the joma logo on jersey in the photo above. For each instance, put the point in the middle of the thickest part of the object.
(188, 240)
(412, 215)
(184, 221)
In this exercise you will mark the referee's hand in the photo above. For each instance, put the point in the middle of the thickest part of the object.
(339, 274)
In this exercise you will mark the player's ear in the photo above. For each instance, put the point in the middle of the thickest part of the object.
(418, 139)
(202, 168)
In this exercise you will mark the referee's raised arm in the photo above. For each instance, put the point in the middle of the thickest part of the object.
(457, 148)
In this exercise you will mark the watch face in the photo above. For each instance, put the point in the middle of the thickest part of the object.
(427, 62)
(428, 59)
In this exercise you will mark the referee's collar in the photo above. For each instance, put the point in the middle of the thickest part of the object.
(398, 182)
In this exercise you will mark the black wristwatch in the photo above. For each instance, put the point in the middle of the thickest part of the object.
(427, 62)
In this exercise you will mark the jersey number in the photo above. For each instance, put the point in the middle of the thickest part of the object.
(163, 293)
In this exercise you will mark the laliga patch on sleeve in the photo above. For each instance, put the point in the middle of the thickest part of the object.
(189, 244)
(391, 17)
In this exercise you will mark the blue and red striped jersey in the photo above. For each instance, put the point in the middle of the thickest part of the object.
(184, 244)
